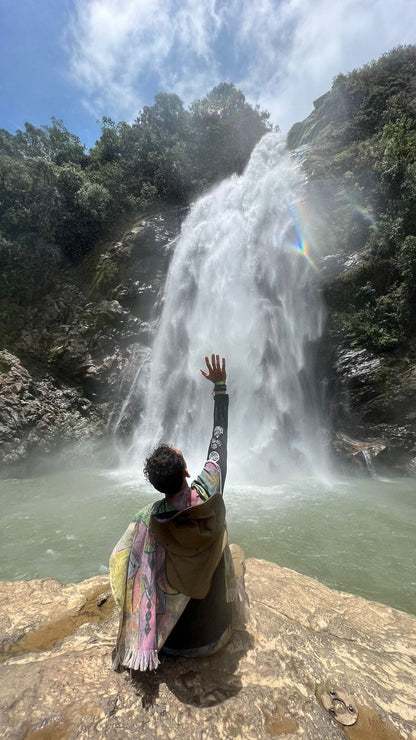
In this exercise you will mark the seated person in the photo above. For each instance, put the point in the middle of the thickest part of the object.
(172, 574)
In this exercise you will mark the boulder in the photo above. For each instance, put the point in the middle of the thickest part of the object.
(274, 679)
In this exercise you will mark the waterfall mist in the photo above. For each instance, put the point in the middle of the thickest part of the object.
(237, 287)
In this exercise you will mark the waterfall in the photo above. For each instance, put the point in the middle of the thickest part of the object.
(368, 462)
(237, 287)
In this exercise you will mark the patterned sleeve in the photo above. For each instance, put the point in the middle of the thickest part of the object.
(212, 478)
(217, 450)
(209, 481)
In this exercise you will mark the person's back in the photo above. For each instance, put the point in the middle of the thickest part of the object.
(178, 573)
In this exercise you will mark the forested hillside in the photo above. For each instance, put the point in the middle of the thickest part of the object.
(57, 200)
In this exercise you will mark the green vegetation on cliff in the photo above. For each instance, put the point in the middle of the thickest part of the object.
(360, 155)
(57, 200)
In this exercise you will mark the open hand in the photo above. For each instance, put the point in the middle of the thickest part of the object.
(216, 370)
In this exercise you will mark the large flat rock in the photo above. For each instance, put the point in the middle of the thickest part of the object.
(302, 639)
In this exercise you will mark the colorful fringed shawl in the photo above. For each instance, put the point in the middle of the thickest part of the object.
(149, 608)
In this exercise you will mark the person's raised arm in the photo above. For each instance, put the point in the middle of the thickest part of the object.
(217, 451)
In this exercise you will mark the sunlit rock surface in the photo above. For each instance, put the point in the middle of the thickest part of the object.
(303, 638)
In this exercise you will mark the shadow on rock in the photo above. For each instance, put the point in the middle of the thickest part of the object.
(201, 682)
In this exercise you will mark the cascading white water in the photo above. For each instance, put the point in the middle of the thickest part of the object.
(236, 288)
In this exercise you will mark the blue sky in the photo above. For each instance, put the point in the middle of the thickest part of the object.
(79, 60)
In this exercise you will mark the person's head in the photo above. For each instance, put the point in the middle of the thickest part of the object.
(166, 470)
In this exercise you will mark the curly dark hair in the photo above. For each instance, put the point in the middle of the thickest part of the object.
(164, 469)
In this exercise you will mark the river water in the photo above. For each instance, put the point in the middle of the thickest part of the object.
(353, 534)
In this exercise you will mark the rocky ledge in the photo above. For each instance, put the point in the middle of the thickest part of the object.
(272, 680)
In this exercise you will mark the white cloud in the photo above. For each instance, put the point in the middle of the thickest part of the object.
(320, 39)
(118, 48)
(282, 53)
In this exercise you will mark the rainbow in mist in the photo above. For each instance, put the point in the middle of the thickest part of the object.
(298, 239)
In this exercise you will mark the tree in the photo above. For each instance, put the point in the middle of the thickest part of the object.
(53, 143)
(83, 211)
(227, 129)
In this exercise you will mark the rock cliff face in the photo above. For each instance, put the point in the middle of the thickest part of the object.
(374, 409)
(272, 680)
(39, 414)
(78, 351)
(360, 224)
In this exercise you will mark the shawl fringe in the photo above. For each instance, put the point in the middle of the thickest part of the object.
(137, 660)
